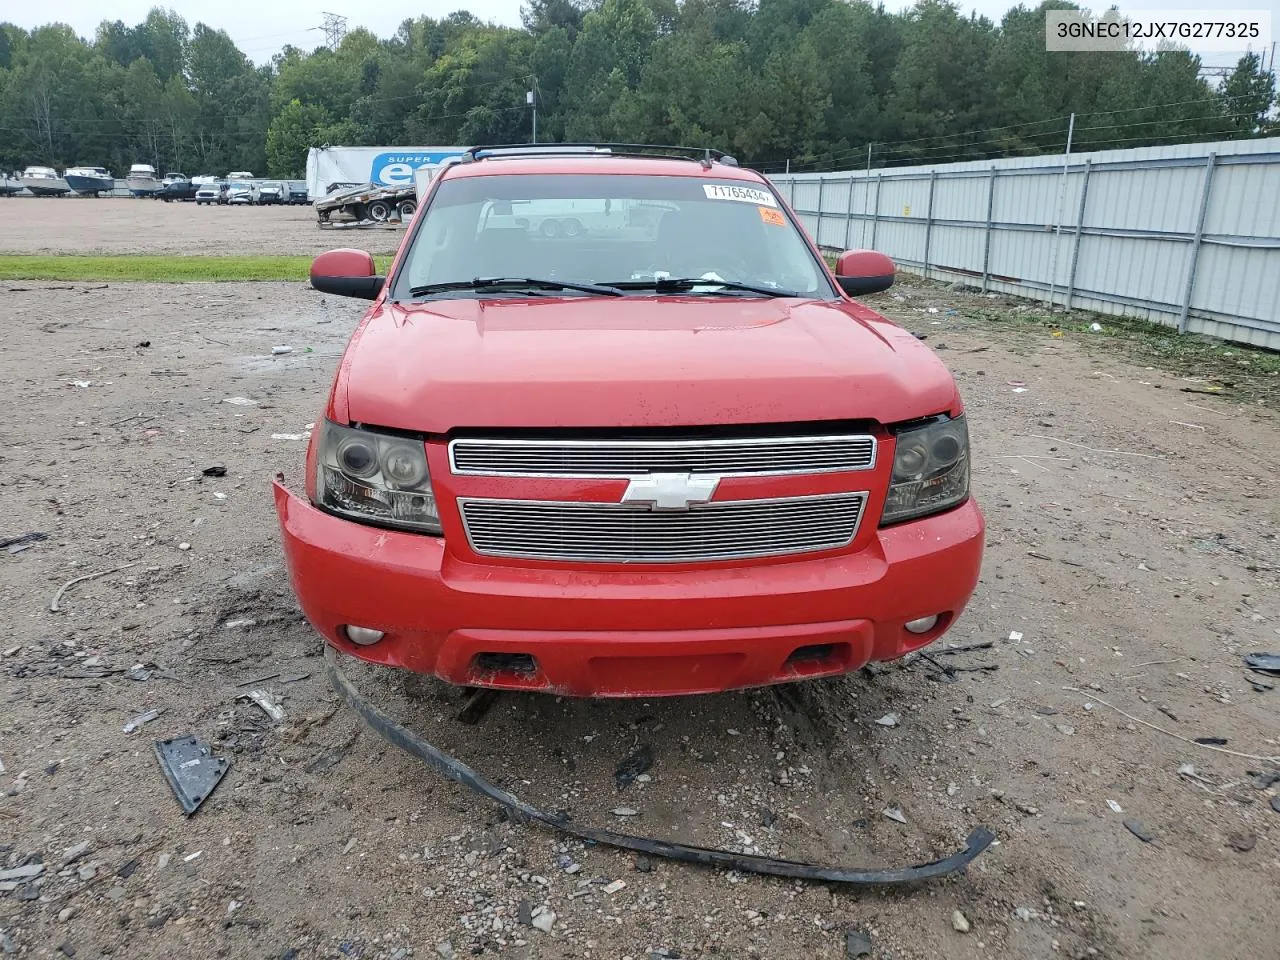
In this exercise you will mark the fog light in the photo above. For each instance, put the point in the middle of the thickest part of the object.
(923, 625)
(366, 635)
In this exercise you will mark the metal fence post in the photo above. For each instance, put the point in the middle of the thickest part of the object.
(848, 213)
(817, 232)
(1195, 243)
(986, 241)
(1075, 246)
(875, 214)
(928, 223)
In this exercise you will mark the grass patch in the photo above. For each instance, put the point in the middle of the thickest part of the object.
(160, 268)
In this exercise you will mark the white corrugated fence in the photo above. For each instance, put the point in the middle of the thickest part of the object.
(1185, 235)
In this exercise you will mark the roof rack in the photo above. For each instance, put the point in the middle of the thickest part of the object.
(705, 155)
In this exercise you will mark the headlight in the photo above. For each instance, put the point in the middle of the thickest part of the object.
(375, 478)
(930, 471)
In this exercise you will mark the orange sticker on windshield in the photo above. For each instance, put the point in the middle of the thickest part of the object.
(772, 216)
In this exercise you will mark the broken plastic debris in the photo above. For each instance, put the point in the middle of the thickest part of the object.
(888, 720)
(291, 436)
(280, 351)
(271, 709)
(615, 886)
(1015, 636)
(139, 720)
(240, 401)
(893, 813)
(1115, 807)
(1268, 663)
(191, 769)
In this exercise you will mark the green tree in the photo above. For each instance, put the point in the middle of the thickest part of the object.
(1247, 96)
(293, 132)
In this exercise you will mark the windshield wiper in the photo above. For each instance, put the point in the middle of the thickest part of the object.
(686, 284)
(513, 284)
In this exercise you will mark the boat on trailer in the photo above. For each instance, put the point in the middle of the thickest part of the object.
(89, 181)
(44, 182)
(142, 180)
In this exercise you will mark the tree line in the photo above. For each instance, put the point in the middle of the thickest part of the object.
(805, 84)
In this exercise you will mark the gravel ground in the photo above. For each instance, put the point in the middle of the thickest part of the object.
(120, 225)
(1132, 560)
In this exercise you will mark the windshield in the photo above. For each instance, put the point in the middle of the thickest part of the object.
(607, 229)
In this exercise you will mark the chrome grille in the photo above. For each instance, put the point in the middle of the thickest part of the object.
(626, 458)
(617, 533)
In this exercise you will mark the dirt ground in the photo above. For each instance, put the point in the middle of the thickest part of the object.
(129, 225)
(1132, 560)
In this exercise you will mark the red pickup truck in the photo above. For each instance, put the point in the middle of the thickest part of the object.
(612, 428)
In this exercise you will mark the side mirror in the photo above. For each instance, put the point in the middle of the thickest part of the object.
(860, 272)
(346, 273)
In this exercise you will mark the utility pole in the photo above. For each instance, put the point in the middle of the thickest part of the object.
(335, 28)
(531, 98)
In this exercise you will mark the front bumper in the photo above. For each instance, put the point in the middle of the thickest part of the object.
(627, 632)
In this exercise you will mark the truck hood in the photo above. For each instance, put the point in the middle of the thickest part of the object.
(635, 362)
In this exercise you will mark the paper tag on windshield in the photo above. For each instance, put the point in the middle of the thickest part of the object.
(772, 215)
(720, 191)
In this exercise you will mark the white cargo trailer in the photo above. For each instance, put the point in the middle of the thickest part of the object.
(330, 169)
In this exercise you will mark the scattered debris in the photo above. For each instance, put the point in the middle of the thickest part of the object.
(856, 944)
(1137, 828)
(1015, 636)
(1211, 741)
(959, 922)
(1241, 841)
(1065, 729)
(269, 707)
(1115, 807)
(216, 470)
(27, 872)
(53, 606)
(625, 811)
(24, 542)
(1178, 736)
(139, 720)
(240, 401)
(281, 351)
(1041, 556)
(291, 436)
(894, 813)
(632, 766)
(888, 720)
(236, 625)
(1268, 663)
(615, 886)
(1261, 779)
(1095, 327)
(544, 919)
(191, 769)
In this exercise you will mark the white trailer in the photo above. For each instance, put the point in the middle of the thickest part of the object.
(330, 169)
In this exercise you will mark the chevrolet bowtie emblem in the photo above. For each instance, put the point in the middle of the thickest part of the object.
(671, 491)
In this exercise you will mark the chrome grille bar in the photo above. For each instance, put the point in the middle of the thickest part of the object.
(752, 456)
(615, 533)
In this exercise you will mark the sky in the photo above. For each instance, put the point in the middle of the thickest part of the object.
(261, 30)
